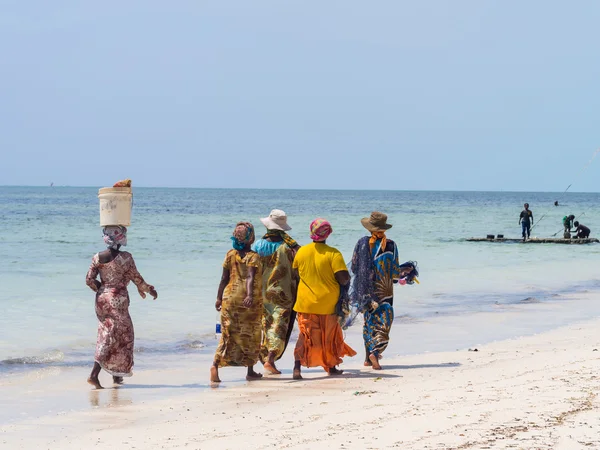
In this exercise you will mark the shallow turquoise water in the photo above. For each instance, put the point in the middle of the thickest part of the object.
(180, 236)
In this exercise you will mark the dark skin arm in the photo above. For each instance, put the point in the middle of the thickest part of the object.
(342, 277)
(249, 285)
(224, 282)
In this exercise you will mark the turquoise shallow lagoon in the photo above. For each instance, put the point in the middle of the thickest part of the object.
(469, 292)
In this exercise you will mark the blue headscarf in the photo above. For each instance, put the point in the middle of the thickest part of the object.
(243, 234)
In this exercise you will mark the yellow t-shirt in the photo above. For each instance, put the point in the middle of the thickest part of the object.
(318, 291)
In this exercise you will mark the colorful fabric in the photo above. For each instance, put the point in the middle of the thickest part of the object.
(283, 235)
(114, 345)
(265, 248)
(240, 326)
(373, 273)
(321, 341)
(278, 293)
(318, 291)
(375, 236)
(123, 183)
(320, 230)
(376, 329)
(243, 234)
(115, 236)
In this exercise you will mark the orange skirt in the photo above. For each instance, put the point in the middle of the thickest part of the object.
(321, 341)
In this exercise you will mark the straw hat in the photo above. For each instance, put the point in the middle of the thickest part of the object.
(277, 220)
(377, 222)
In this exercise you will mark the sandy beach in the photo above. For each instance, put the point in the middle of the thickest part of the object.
(536, 392)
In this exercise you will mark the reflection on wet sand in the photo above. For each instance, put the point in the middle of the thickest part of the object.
(110, 398)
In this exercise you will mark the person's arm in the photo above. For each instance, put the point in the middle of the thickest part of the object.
(249, 287)
(531, 215)
(142, 286)
(342, 277)
(222, 285)
(92, 274)
(520, 218)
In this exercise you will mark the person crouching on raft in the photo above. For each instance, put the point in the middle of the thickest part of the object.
(375, 268)
(321, 270)
(114, 346)
(239, 299)
(582, 231)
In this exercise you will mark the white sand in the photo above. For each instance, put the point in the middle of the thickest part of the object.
(538, 392)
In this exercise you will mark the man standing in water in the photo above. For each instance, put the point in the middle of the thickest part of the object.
(526, 220)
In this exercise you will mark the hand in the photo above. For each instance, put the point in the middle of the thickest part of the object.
(153, 292)
(218, 304)
(405, 271)
(98, 284)
(248, 301)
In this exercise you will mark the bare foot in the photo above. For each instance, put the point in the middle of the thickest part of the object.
(271, 369)
(118, 380)
(297, 374)
(252, 375)
(368, 363)
(214, 375)
(375, 362)
(95, 382)
(334, 371)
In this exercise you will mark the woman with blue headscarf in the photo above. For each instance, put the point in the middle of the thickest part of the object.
(239, 299)
(114, 346)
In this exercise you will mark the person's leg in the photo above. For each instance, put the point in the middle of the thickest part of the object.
(297, 370)
(93, 379)
(275, 333)
(335, 371)
(214, 372)
(366, 339)
(252, 375)
(523, 228)
(528, 230)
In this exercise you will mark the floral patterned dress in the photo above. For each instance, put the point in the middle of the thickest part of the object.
(240, 326)
(278, 291)
(374, 271)
(114, 346)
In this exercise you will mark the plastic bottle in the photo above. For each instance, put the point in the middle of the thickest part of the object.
(218, 327)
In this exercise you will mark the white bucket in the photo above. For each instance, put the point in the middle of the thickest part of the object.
(115, 206)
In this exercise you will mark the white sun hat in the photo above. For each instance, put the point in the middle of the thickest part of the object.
(277, 220)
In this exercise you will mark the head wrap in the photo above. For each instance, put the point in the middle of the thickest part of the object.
(375, 236)
(115, 236)
(283, 235)
(243, 235)
(320, 230)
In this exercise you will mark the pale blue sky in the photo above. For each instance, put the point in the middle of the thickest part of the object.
(473, 95)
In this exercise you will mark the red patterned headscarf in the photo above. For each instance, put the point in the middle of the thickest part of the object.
(243, 234)
(320, 230)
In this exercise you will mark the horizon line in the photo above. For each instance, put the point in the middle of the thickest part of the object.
(303, 189)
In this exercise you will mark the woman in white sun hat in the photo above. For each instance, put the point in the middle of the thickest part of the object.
(276, 250)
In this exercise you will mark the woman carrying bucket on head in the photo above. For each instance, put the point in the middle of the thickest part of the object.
(114, 346)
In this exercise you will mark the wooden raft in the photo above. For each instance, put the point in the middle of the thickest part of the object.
(537, 240)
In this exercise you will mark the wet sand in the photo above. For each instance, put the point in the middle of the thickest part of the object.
(536, 392)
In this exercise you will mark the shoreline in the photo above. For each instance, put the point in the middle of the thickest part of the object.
(539, 391)
(555, 307)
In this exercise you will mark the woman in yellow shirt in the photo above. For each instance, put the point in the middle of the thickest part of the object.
(321, 270)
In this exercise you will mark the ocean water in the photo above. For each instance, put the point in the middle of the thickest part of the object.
(180, 236)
